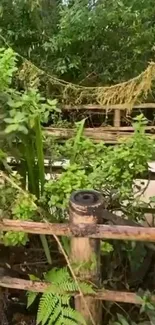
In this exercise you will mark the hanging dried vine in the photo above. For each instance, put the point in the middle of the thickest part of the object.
(131, 92)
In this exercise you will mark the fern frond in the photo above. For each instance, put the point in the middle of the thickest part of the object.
(54, 307)
(65, 299)
(67, 321)
(53, 311)
(74, 315)
(47, 304)
(62, 275)
(54, 289)
(58, 276)
(49, 276)
(59, 321)
(55, 316)
(69, 286)
(86, 288)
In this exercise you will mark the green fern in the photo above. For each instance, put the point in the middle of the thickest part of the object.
(47, 305)
(57, 276)
(54, 306)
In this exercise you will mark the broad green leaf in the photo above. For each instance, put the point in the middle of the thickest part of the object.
(11, 128)
(31, 296)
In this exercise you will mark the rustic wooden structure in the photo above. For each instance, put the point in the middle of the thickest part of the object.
(102, 294)
(110, 134)
(116, 232)
(86, 212)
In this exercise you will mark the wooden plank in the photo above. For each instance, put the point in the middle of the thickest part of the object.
(116, 232)
(110, 107)
(93, 133)
(150, 128)
(35, 286)
(96, 134)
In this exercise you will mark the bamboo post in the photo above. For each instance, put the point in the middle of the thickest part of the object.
(85, 210)
(117, 117)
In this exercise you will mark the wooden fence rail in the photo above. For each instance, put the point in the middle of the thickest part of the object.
(35, 286)
(118, 232)
(110, 107)
(110, 135)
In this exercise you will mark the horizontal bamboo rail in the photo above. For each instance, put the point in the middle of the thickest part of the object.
(109, 135)
(100, 231)
(103, 294)
(110, 107)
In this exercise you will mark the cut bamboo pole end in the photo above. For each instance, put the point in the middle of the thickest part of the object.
(85, 210)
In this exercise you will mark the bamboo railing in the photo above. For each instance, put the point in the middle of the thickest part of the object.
(109, 134)
(85, 228)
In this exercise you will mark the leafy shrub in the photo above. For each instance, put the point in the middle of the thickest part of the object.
(107, 169)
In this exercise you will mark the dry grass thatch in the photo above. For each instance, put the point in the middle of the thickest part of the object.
(129, 93)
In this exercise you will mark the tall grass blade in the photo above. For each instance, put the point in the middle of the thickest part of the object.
(29, 153)
(40, 153)
(41, 170)
(77, 139)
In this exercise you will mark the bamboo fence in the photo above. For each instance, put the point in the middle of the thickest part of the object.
(109, 134)
(86, 229)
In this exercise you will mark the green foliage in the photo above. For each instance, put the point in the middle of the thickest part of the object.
(24, 112)
(123, 163)
(24, 108)
(12, 238)
(89, 265)
(54, 306)
(107, 27)
(70, 180)
(146, 303)
(121, 321)
(147, 306)
(76, 45)
(112, 170)
(106, 248)
(27, 24)
(7, 196)
(8, 60)
(77, 139)
(31, 296)
(22, 208)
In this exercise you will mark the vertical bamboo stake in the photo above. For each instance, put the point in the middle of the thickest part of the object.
(117, 117)
(85, 211)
